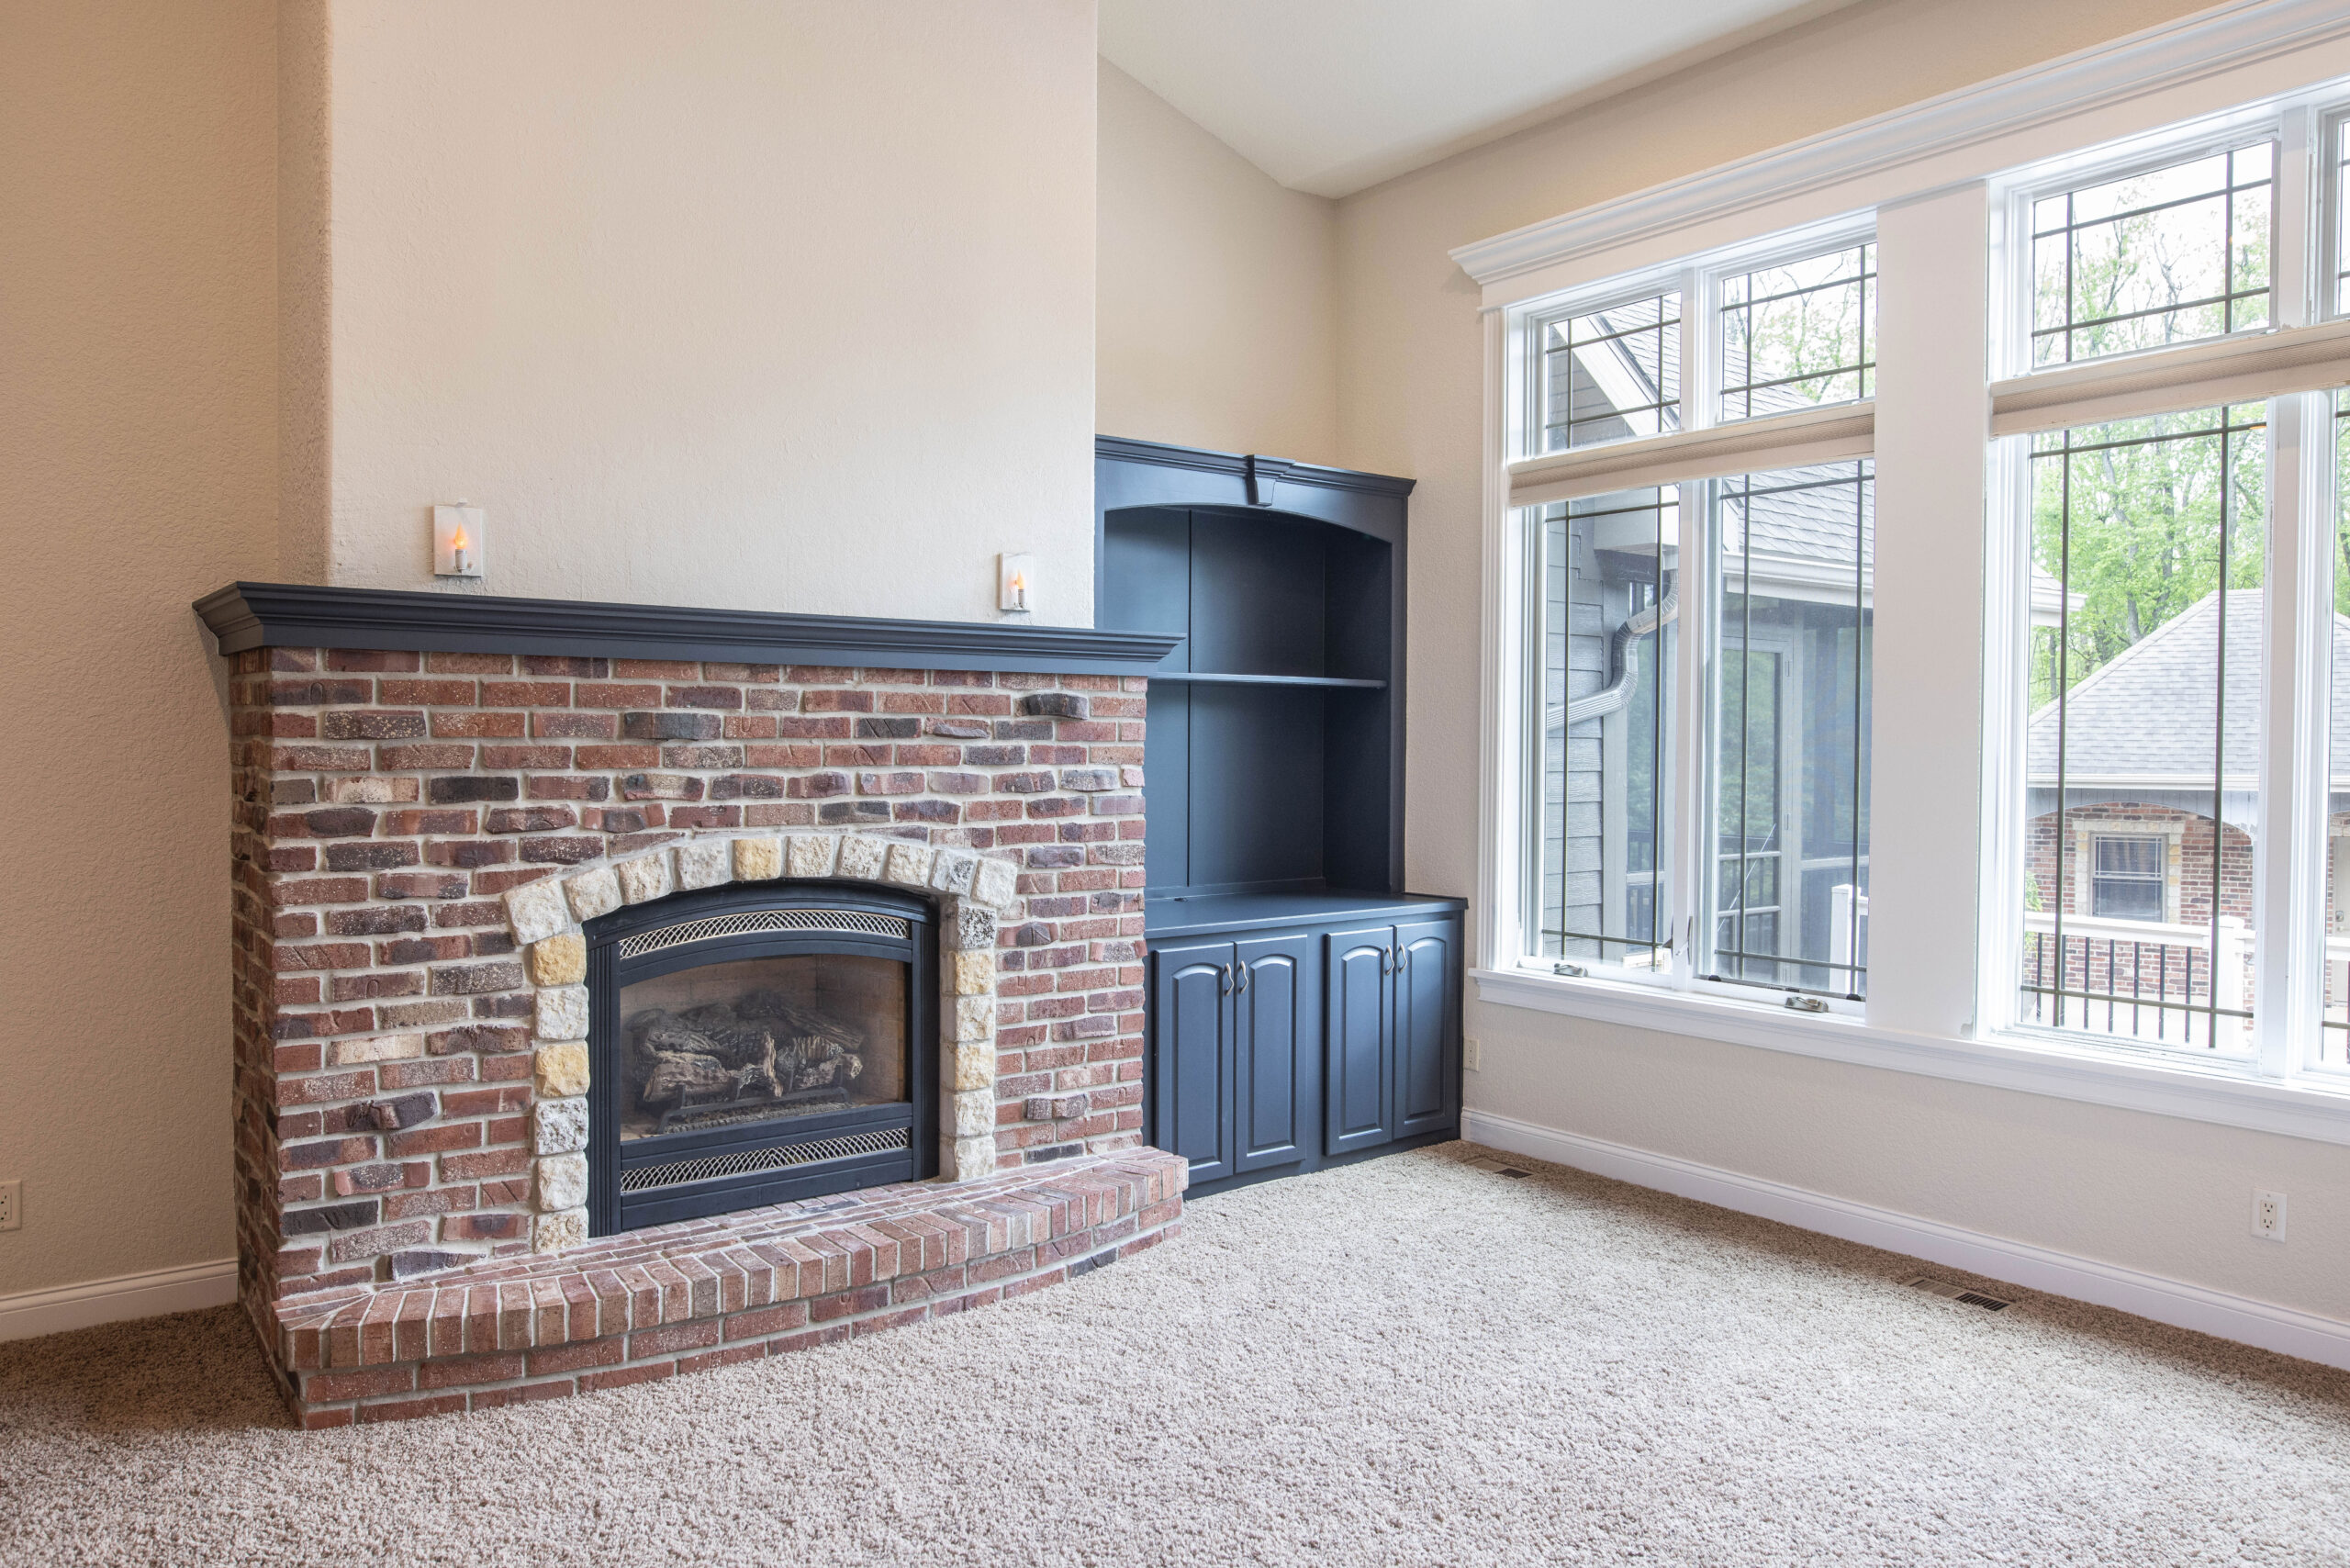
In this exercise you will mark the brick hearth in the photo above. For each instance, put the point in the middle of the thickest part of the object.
(711, 1292)
(419, 837)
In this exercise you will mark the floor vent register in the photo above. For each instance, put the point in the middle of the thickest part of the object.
(1949, 1292)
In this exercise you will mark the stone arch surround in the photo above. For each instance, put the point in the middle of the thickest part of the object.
(548, 918)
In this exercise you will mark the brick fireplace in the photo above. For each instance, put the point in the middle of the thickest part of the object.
(441, 803)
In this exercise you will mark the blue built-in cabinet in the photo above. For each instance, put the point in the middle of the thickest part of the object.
(1303, 1008)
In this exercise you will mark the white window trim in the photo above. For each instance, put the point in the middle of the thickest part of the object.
(2255, 52)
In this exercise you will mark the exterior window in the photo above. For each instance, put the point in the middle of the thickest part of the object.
(2144, 714)
(1609, 569)
(2126, 883)
(1611, 375)
(1799, 335)
(2334, 1031)
(2167, 256)
(1792, 561)
(2340, 218)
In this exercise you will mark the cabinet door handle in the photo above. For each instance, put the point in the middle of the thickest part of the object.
(1223, 979)
(1403, 958)
(1240, 979)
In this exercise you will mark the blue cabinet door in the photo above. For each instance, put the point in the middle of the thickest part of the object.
(1278, 1007)
(1191, 1035)
(1427, 1036)
(1359, 1092)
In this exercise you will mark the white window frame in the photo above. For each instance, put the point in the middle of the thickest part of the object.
(2296, 583)
(2216, 74)
(1695, 736)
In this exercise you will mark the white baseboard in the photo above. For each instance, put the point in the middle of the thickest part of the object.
(2218, 1312)
(184, 1289)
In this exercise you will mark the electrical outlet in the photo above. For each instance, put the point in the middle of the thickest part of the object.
(12, 1205)
(1472, 1055)
(2268, 1215)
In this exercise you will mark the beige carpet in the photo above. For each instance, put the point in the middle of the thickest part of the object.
(1405, 1362)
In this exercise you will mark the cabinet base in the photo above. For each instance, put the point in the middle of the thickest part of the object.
(1197, 1191)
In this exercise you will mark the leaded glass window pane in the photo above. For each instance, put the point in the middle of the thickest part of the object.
(1611, 375)
(2144, 733)
(1794, 568)
(2168, 256)
(1609, 575)
(1799, 335)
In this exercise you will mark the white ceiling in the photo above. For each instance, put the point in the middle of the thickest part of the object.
(1332, 95)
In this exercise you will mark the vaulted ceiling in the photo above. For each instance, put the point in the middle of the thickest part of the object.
(1332, 95)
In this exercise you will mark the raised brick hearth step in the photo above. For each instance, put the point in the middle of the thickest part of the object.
(714, 1292)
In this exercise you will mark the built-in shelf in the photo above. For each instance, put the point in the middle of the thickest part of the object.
(1197, 679)
(1260, 779)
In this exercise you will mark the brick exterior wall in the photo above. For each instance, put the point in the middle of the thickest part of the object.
(2191, 878)
(2116, 966)
(387, 804)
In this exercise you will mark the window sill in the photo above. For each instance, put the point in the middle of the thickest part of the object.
(2194, 1090)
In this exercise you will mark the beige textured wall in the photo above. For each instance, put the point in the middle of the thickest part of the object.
(746, 303)
(2153, 1193)
(137, 470)
(1217, 311)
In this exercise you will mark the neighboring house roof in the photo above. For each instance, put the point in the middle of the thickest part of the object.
(2147, 716)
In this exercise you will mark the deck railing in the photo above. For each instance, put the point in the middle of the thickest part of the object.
(2154, 982)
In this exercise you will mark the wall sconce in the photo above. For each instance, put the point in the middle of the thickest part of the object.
(1015, 580)
(457, 540)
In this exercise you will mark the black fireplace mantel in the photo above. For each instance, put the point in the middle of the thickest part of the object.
(289, 615)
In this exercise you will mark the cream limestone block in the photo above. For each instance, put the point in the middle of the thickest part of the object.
(974, 1112)
(908, 865)
(562, 1012)
(705, 862)
(810, 854)
(996, 884)
(535, 910)
(563, 1069)
(974, 1157)
(969, 928)
(758, 859)
(952, 871)
(975, 1018)
(644, 879)
(974, 973)
(862, 857)
(559, 1233)
(972, 1067)
(558, 1127)
(561, 1182)
(379, 1048)
(561, 960)
(593, 893)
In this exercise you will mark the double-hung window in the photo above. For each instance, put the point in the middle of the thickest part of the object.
(1699, 534)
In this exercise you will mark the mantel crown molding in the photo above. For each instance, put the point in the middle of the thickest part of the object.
(255, 615)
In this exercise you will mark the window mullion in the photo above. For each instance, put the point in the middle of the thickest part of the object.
(2289, 871)
(1691, 838)
(2293, 238)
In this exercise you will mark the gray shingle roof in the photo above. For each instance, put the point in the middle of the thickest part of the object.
(2149, 713)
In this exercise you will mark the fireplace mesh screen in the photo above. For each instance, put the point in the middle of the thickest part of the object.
(883, 1140)
(765, 920)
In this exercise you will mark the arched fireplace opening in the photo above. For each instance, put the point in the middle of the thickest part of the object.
(757, 1044)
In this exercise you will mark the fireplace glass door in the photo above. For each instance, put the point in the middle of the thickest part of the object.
(787, 1036)
(757, 1045)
